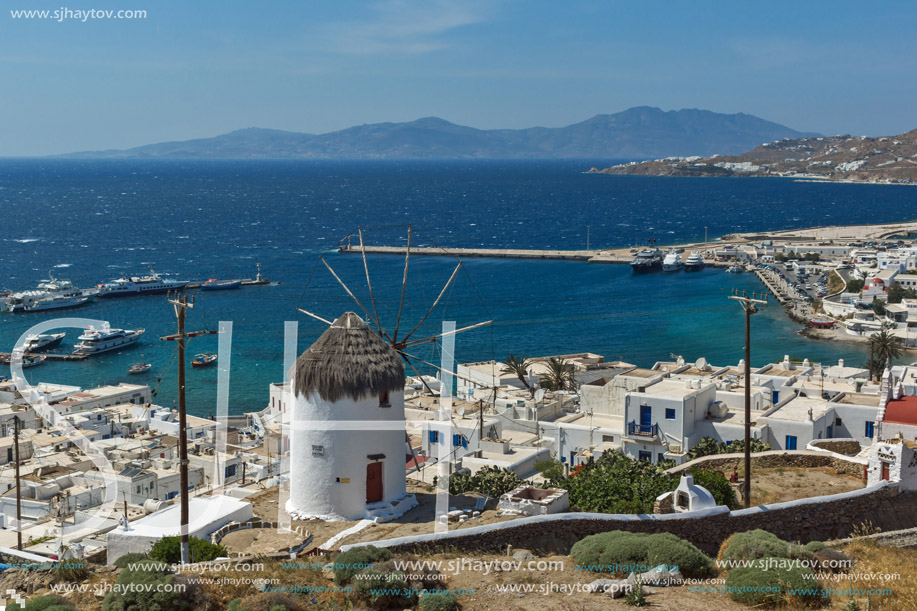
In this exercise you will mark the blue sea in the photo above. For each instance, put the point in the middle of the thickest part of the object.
(91, 221)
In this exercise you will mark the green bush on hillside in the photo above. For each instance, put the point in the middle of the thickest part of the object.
(383, 590)
(770, 581)
(753, 544)
(43, 603)
(621, 551)
(168, 549)
(349, 563)
(438, 601)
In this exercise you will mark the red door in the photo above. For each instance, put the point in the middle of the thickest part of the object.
(885, 471)
(373, 482)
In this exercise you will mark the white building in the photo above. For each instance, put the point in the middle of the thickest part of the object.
(347, 441)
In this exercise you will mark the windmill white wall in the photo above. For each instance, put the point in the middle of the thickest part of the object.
(347, 439)
(329, 465)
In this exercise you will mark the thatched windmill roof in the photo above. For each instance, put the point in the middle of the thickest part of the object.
(348, 360)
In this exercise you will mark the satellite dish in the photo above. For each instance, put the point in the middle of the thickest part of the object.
(461, 410)
(700, 363)
(539, 395)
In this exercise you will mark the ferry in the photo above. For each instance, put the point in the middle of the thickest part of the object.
(51, 294)
(95, 341)
(142, 285)
(36, 343)
(694, 263)
(204, 359)
(672, 262)
(646, 260)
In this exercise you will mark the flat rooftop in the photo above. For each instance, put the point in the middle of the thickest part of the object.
(672, 388)
(902, 411)
(797, 409)
(858, 398)
(639, 372)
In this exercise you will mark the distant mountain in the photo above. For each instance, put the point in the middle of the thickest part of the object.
(641, 132)
(888, 159)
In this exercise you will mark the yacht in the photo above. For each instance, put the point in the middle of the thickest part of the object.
(672, 262)
(735, 268)
(646, 260)
(142, 285)
(695, 262)
(36, 343)
(95, 341)
(52, 294)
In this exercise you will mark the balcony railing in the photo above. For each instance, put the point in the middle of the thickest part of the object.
(642, 430)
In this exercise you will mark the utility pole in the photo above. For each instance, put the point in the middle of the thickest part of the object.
(181, 304)
(18, 485)
(587, 237)
(750, 305)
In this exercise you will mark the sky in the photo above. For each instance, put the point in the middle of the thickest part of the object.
(199, 69)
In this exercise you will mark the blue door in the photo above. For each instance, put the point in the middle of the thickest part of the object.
(646, 418)
(790, 442)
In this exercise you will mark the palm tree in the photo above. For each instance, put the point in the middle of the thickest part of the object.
(884, 347)
(559, 375)
(518, 366)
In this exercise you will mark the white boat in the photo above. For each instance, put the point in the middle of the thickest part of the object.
(142, 285)
(694, 263)
(672, 262)
(34, 343)
(27, 361)
(735, 269)
(50, 295)
(95, 341)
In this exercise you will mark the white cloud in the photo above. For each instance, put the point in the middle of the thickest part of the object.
(403, 27)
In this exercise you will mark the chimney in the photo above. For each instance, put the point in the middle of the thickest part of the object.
(840, 362)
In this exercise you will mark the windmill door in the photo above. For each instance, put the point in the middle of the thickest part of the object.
(373, 482)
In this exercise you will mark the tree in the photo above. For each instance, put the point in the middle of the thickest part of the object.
(884, 347)
(559, 375)
(878, 306)
(518, 366)
(896, 293)
(855, 286)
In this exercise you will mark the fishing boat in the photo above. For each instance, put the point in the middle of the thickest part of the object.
(204, 359)
(140, 368)
(822, 323)
(735, 269)
(27, 361)
(43, 341)
(220, 285)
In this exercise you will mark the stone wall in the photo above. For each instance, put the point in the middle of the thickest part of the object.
(776, 459)
(847, 447)
(819, 518)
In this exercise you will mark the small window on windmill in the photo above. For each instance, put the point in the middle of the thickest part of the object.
(318, 450)
(383, 399)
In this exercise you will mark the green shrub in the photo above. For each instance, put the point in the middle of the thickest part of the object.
(43, 603)
(679, 553)
(438, 601)
(771, 581)
(636, 597)
(493, 481)
(168, 549)
(349, 563)
(813, 546)
(753, 544)
(123, 561)
(383, 590)
(271, 601)
(72, 571)
(717, 485)
(621, 550)
(154, 589)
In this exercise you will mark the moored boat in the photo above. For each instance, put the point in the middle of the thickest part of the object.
(140, 368)
(95, 341)
(27, 361)
(646, 260)
(220, 285)
(694, 262)
(140, 285)
(43, 341)
(822, 323)
(672, 262)
(204, 359)
(735, 269)
(51, 294)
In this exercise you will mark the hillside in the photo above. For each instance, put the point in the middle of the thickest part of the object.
(891, 159)
(641, 132)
